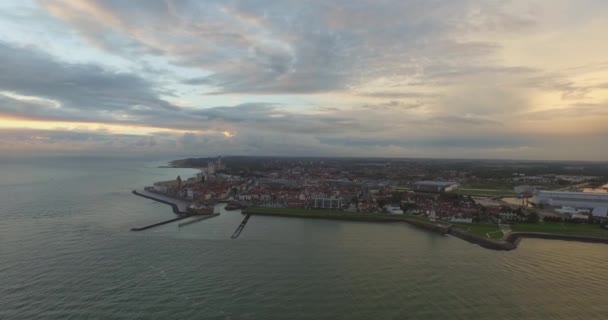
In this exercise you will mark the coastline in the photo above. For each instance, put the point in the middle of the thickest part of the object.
(441, 229)
(511, 242)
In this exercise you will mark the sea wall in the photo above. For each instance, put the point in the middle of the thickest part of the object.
(509, 243)
(326, 217)
(515, 237)
(482, 241)
(429, 226)
(354, 217)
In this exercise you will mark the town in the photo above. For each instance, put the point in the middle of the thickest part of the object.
(464, 192)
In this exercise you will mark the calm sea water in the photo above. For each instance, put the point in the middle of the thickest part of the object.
(66, 252)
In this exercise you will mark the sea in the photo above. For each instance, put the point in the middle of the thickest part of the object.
(67, 252)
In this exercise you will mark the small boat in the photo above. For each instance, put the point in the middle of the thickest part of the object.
(233, 206)
(200, 209)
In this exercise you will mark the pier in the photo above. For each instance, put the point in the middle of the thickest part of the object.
(179, 207)
(159, 223)
(240, 228)
(198, 219)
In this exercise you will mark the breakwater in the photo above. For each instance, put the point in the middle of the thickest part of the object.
(481, 241)
(356, 217)
(159, 223)
(241, 226)
(512, 240)
(429, 226)
(352, 217)
(173, 206)
(510, 243)
(201, 218)
(516, 237)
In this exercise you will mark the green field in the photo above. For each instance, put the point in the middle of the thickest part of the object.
(588, 230)
(484, 192)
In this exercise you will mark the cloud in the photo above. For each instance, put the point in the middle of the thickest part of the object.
(27, 71)
(573, 111)
(358, 77)
(266, 47)
(392, 105)
(489, 142)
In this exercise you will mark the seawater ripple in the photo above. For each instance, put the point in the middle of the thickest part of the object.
(66, 253)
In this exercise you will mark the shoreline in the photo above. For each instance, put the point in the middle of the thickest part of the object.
(509, 243)
(441, 229)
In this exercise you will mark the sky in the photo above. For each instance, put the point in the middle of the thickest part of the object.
(506, 79)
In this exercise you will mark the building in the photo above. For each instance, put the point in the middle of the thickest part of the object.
(458, 219)
(167, 186)
(524, 190)
(327, 203)
(393, 209)
(435, 186)
(596, 202)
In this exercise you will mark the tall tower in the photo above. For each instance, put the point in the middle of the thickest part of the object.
(219, 163)
(179, 183)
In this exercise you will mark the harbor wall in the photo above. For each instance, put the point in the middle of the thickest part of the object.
(429, 226)
(517, 236)
(159, 224)
(510, 243)
(380, 218)
(326, 217)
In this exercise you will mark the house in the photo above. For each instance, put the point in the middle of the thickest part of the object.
(459, 219)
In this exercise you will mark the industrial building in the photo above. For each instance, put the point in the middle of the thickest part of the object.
(597, 203)
(435, 186)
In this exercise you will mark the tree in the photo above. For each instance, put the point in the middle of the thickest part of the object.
(533, 218)
(381, 203)
(396, 196)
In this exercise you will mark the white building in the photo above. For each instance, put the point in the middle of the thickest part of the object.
(189, 193)
(393, 209)
(460, 219)
(572, 199)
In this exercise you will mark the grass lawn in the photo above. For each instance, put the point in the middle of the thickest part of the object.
(590, 230)
(481, 229)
